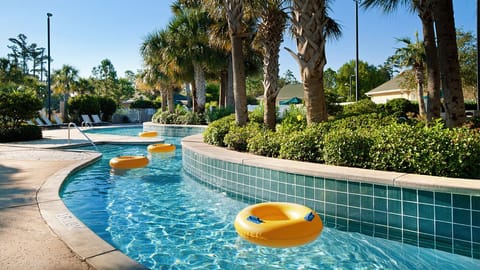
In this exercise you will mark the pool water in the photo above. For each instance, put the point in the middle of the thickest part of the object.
(163, 219)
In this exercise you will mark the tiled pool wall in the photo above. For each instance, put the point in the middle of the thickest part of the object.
(174, 130)
(438, 220)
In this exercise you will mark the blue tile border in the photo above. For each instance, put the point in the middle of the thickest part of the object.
(441, 220)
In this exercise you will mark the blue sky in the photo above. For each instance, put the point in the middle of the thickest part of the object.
(84, 32)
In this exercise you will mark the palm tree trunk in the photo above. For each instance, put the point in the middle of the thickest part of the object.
(433, 70)
(194, 96)
(223, 88)
(449, 65)
(171, 104)
(234, 11)
(199, 75)
(309, 19)
(230, 99)
(421, 102)
(164, 100)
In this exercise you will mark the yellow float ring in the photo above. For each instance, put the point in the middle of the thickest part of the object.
(278, 224)
(128, 162)
(148, 134)
(161, 147)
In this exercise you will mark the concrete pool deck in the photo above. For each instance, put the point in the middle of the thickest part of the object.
(37, 231)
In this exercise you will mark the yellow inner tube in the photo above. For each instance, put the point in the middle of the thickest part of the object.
(161, 147)
(128, 162)
(148, 134)
(277, 224)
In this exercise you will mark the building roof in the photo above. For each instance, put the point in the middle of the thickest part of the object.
(393, 85)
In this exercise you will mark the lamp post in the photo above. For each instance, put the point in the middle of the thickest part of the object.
(356, 49)
(350, 97)
(48, 71)
(478, 59)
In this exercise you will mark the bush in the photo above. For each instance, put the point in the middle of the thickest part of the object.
(345, 147)
(294, 119)
(257, 114)
(142, 104)
(21, 133)
(216, 131)
(237, 136)
(264, 143)
(181, 116)
(217, 113)
(399, 107)
(364, 106)
(108, 106)
(304, 145)
(16, 107)
(84, 104)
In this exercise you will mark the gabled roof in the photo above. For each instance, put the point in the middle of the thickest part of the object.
(393, 85)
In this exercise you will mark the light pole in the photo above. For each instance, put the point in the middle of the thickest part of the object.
(48, 71)
(356, 49)
(350, 97)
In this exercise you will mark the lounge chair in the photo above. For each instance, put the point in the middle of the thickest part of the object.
(86, 120)
(40, 123)
(97, 120)
(58, 120)
(47, 121)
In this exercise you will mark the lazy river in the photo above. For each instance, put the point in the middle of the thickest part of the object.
(162, 218)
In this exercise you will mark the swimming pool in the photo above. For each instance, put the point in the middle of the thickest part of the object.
(163, 219)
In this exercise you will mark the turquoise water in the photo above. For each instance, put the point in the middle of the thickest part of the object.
(165, 220)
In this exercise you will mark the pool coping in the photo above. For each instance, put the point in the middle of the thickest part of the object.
(395, 179)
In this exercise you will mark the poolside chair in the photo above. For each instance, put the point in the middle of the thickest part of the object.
(97, 120)
(46, 120)
(86, 120)
(39, 122)
(58, 120)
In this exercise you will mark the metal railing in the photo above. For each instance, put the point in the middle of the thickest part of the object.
(71, 124)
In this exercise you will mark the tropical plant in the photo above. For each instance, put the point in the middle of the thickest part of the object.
(64, 81)
(311, 26)
(413, 55)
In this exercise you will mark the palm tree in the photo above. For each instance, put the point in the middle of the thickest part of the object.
(64, 80)
(413, 55)
(234, 12)
(449, 64)
(436, 16)
(311, 26)
(273, 19)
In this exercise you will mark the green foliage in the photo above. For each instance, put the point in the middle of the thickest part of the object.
(294, 119)
(212, 90)
(304, 145)
(360, 107)
(20, 133)
(142, 104)
(346, 147)
(84, 104)
(180, 116)
(257, 114)
(399, 107)
(16, 107)
(237, 136)
(108, 106)
(217, 113)
(264, 143)
(216, 131)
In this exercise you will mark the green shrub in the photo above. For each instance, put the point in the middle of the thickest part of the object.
(304, 145)
(181, 116)
(21, 133)
(108, 106)
(294, 119)
(216, 131)
(345, 147)
(237, 136)
(257, 114)
(83, 104)
(16, 107)
(217, 113)
(371, 120)
(364, 106)
(142, 104)
(189, 118)
(264, 143)
(399, 107)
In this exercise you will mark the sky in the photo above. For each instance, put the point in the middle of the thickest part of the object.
(84, 32)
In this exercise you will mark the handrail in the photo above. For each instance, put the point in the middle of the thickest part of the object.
(85, 135)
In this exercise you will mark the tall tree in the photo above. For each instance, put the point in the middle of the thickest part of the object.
(273, 19)
(449, 65)
(413, 55)
(311, 26)
(106, 78)
(20, 51)
(64, 80)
